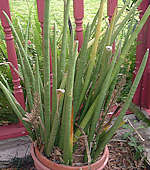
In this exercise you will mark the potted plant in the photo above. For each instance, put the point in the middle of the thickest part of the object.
(74, 126)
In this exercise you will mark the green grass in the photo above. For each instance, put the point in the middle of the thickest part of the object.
(20, 8)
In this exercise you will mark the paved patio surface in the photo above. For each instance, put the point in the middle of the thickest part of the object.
(13, 148)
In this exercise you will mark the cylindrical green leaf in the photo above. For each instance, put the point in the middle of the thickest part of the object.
(46, 70)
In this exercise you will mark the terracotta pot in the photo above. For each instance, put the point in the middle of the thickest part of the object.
(42, 163)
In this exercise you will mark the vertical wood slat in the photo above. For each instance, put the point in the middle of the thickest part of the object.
(40, 7)
(78, 7)
(12, 57)
(142, 97)
(145, 88)
(111, 6)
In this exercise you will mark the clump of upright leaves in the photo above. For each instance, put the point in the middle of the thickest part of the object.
(84, 83)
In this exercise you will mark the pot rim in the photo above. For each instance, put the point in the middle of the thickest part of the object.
(103, 159)
(32, 150)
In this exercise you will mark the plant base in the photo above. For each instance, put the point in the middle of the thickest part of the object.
(42, 163)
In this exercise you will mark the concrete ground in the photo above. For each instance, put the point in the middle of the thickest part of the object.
(13, 148)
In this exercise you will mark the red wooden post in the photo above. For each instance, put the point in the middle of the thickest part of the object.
(18, 93)
(40, 6)
(11, 131)
(78, 6)
(142, 97)
(111, 6)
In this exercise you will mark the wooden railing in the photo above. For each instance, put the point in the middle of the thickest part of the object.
(142, 97)
(18, 93)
